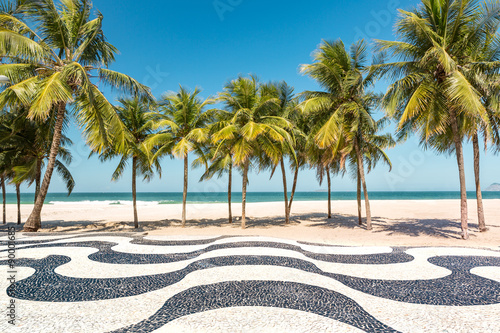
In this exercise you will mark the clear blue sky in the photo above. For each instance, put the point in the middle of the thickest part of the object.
(205, 43)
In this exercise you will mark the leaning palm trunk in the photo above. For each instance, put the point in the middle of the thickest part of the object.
(134, 190)
(361, 169)
(360, 219)
(229, 188)
(18, 195)
(4, 203)
(184, 192)
(285, 192)
(34, 221)
(38, 177)
(294, 187)
(244, 195)
(479, 195)
(461, 171)
(329, 193)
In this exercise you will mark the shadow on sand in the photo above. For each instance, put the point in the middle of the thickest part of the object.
(439, 228)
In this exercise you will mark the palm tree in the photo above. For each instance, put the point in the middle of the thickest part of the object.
(184, 128)
(287, 106)
(25, 146)
(432, 89)
(50, 51)
(342, 113)
(137, 116)
(31, 141)
(372, 146)
(252, 130)
(220, 162)
(480, 69)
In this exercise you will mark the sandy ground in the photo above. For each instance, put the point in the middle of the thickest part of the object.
(396, 223)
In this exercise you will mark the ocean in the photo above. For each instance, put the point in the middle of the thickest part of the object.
(145, 199)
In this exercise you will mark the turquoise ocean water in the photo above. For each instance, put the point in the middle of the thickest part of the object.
(173, 198)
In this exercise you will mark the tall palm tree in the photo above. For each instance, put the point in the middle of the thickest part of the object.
(252, 130)
(372, 146)
(342, 113)
(432, 89)
(183, 125)
(218, 159)
(50, 51)
(137, 116)
(287, 106)
(26, 147)
(481, 69)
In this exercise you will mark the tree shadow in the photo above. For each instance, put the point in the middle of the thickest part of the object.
(319, 220)
(440, 228)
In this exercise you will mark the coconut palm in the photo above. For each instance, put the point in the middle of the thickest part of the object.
(50, 51)
(137, 117)
(372, 146)
(342, 113)
(432, 90)
(32, 142)
(287, 106)
(252, 129)
(218, 159)
(480, 67)
(300, 130)
(183, 128)
(26, 147)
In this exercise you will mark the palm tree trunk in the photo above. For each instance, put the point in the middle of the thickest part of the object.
(285, 192)
(4, 201)
(38, 177)
(479, 195)
(34, 221)
(244, 195)
(134, 190)
(184, 193)
(18, 195)
(229, 188)
(329, 193)
(461, 171)
(363, 182)
(360, 219)
(294, 187)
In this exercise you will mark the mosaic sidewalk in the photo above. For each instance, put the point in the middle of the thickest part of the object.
(136, 283)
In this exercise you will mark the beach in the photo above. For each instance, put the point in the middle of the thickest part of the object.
(395, 222)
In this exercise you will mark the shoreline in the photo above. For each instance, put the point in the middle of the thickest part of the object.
(395, 222)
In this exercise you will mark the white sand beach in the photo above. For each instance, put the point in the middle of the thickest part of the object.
(395, 223)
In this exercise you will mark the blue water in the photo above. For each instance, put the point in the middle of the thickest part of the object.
(173, 198)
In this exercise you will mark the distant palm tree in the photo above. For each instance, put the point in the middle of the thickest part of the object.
(26, 145)
(252, 130)
(137, 117)
(287, 106)
(183, 124)
(432, 89)
(219, 161)
(372, 146)
(50, 50)
(342, 113)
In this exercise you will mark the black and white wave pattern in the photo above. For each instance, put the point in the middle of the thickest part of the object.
(168, 281)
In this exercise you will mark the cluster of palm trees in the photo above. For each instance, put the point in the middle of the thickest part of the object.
(443, 68)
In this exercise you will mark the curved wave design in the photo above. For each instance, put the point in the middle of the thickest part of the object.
(107, 254)
(286, 295)
(336, 297)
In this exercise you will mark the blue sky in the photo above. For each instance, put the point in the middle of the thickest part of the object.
(205, 43)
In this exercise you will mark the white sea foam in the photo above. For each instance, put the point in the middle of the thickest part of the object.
(110, 202)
